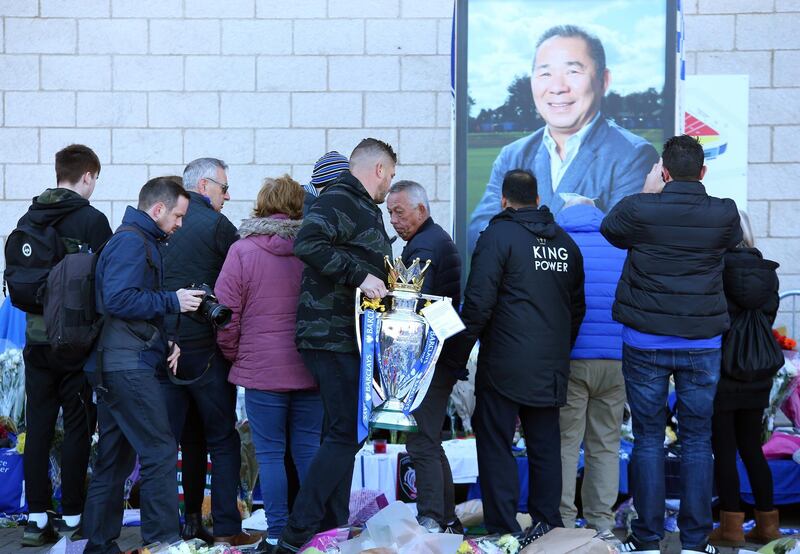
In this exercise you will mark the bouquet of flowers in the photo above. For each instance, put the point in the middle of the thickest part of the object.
(783, 385)
(785, 342)
(12, 384)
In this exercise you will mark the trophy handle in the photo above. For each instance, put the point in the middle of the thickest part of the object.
(359, 299)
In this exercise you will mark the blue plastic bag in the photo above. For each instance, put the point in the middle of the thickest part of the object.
(12, 326)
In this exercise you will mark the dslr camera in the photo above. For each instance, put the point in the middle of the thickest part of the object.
(210, 309)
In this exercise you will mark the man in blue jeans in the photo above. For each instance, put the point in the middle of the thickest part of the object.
(673, 310)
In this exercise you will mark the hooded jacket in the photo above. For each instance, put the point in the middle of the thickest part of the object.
(671, 283)
(600, 336)
(525, 302)
(342, 240)
(129, 295)
(751, 283)
(77, 223)
(260, 282)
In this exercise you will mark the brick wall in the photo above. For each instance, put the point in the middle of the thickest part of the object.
(760, 38)
(270, 85)
(267, 85)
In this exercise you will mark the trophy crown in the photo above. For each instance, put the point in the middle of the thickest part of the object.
(402, 278)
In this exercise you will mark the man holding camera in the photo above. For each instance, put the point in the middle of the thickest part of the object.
(132, 346)
(194, 255)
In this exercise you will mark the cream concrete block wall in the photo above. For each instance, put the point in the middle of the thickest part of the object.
(270, 85)
(267, 85)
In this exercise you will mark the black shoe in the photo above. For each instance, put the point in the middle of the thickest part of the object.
(36, 536)
(193, 529)
(285, 548)
(65, 530)
(632, 544)
(455, 527)
(532, 533)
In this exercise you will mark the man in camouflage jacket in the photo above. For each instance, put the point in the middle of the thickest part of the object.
(343, 243)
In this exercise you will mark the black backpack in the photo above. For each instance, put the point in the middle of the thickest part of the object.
(31, 251)
(749, 349)
(70, 310)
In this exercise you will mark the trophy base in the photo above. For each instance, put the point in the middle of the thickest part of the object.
(389, 415)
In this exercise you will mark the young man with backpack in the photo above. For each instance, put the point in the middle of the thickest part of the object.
(59, 221)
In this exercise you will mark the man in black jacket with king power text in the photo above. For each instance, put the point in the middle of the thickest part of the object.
(525, 302)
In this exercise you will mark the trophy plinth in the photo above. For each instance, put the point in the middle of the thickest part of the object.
(389, 415)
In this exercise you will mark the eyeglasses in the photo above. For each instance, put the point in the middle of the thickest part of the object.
(223, 186)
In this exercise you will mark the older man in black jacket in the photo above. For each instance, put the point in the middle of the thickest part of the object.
(525, 301)
(672, 306)
(409, 210)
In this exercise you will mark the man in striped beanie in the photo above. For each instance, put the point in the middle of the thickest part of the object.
(326, 171)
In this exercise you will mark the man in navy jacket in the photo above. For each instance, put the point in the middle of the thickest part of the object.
(409, 211)
(131, 412)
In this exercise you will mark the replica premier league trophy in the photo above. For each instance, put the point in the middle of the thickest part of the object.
(400, 344)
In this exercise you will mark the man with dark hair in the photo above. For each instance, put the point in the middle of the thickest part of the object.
(578, 151)
(409, 212)
(133, 345)
(200, 388)
(673, 311)
(342, 243)
(525, 301)
(54, 381)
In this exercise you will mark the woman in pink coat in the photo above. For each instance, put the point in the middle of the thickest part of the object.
(260, 282)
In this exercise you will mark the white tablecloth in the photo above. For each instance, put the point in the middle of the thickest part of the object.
(379, 471)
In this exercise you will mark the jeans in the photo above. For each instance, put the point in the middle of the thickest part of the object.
(49, 385)
(592, 415)
(434, 480)
(268, 413)
(495, 421)
(132, 417)
(696, 374)
(215, 398)
(323, 497)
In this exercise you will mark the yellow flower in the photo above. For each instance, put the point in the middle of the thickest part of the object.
(21, 443)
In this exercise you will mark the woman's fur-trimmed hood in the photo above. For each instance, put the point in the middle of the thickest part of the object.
(277, 225)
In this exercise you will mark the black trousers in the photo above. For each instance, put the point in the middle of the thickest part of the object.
(434, 480)
(52, 383)
(132, 417)
(740, 430)
(323, 499)
(194, 460)
(215, 399)
(495, 420)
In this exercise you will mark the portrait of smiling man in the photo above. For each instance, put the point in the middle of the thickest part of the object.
(578, 151)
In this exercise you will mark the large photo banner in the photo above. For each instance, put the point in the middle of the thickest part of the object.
(580, 92)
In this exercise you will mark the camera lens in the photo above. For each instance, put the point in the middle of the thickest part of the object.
(220, 315)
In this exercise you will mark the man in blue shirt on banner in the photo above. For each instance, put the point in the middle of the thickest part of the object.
(578, 151)
(673, 311)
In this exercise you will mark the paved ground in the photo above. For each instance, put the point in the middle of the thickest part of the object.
(10, 542)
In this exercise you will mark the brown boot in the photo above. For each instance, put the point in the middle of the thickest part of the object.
(767, 528)
(729, 532)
